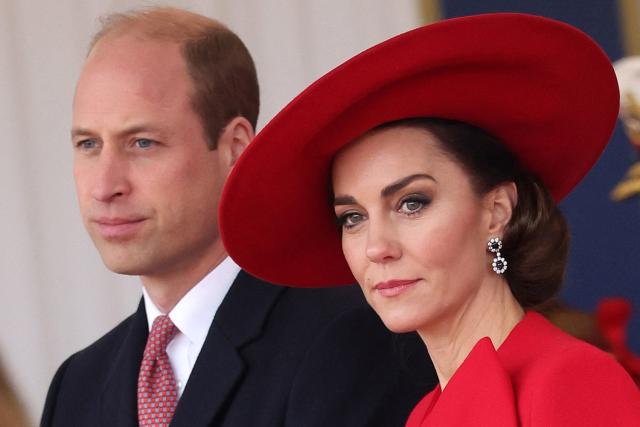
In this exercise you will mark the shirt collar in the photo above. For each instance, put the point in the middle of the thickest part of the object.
(194, 313)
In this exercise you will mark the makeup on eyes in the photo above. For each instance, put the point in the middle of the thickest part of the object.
(414, 203)
(349, 219)
(415, 189)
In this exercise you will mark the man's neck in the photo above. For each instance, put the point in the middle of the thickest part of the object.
(167, 288)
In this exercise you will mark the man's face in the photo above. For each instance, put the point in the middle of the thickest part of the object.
(147, 184)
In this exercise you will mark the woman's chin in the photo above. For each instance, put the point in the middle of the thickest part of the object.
(402, 315)
(400, 323)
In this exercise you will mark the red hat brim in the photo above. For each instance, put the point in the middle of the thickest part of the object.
(541, 86)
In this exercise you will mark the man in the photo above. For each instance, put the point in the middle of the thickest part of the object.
(166, 102)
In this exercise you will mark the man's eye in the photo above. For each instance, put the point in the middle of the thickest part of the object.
(144, 143)
(87, 144)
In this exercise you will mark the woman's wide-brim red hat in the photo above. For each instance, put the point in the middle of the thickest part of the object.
(543, 87)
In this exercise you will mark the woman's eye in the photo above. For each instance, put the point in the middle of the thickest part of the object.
(144, 143)
(350, 219)
(413, 205)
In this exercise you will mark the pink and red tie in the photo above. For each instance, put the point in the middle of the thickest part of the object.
(157, 394)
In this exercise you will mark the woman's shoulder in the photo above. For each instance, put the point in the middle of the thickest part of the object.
(542, 353)
(574, 361)
(586, 384)
(556, 353)
(569, 379)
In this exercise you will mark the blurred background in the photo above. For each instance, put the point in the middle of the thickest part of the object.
(56, 297)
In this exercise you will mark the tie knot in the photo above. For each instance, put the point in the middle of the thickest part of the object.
(162, 332)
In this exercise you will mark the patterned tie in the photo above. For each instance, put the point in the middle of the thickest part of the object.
(157, 394)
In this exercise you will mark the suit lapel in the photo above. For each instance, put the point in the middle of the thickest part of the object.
(118, 404)
(219, 366)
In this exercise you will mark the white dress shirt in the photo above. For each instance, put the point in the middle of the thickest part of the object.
(192, 316)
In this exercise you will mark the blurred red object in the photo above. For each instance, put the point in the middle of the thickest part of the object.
(612, 316)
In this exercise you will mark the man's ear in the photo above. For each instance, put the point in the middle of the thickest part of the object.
(235, 137)
(501, 201)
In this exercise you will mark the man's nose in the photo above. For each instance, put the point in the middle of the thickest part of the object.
(110, 175)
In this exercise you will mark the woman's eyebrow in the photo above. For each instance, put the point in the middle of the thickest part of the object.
(403, 182)
(386, 191)
(344, 200)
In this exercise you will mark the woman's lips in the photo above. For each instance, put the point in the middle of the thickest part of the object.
(392, 288)
(118, 228)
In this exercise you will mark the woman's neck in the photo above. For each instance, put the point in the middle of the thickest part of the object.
(493, 313)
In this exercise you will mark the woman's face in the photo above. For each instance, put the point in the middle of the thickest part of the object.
(413, 231)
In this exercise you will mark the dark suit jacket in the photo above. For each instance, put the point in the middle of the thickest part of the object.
(273, 356)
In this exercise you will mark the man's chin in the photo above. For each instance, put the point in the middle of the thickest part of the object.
(124, 265)
(127, 270)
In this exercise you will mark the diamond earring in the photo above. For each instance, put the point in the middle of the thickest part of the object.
(499, 264)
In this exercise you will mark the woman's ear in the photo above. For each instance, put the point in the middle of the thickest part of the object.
(236, 136)
(501, 201)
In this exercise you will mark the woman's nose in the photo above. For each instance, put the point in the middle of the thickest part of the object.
(382, 246)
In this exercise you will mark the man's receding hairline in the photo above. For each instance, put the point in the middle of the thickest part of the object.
(156, 23)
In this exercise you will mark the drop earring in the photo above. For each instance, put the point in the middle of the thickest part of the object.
(499, 264)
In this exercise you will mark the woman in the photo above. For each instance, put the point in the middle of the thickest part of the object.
(442, 153)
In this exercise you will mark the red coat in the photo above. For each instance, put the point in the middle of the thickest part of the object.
(539, 376)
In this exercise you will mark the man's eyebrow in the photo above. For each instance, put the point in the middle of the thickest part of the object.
(130, 130)
(80, 131)
(403, 182)
(138, 128)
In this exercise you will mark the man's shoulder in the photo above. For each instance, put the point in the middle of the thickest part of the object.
(335, 301)
(345, 334)
(107, 342)
(288, 307)
(350, 330)
(324, 310)
(351, 353)
(81, 378)
(99, 353)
